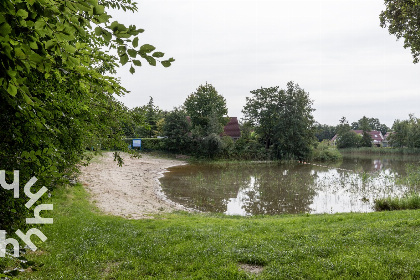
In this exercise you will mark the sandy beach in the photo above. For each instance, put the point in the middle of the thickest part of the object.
(132, 191)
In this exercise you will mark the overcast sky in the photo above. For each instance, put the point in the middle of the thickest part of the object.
(335, 50)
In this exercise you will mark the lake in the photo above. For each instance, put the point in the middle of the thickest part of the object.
(253, 188)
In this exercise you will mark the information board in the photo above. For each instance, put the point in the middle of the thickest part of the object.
(136, 143)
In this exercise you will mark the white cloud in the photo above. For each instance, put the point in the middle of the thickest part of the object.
(335, 50)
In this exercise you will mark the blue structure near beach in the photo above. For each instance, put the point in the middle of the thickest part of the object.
(137, 143)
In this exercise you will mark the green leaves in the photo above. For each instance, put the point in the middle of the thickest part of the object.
(53, 39)
(56, 91)
(98, 31)
(151, 60)
(146, 48)
(39, 24)
(27, 99)
(136, 62)
(50, 44)
(5, 29)
(402, 18)
(22, 13)
(12, 89)
(158, 54)
(132, 53)
(33, 45)
(98, 10)
(136, 42)
(167, 63)
(70, 49)
(124, 59)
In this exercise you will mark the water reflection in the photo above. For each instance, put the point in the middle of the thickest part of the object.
(269, 188)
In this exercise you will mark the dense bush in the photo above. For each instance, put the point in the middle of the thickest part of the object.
(325, 152)
(212, 145)
(152, 144)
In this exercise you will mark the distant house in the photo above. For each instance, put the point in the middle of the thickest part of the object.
(232, 129)
(376, 136)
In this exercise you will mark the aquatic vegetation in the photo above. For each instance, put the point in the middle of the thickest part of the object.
(412, 176)
(410, 201)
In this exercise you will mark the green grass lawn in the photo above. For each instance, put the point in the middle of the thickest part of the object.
(84, 244)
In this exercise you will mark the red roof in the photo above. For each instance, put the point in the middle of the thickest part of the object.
(232, 128)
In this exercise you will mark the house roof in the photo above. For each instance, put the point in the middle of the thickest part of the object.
(232, 128)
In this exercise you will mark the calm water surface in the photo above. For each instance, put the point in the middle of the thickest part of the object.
(271, 188)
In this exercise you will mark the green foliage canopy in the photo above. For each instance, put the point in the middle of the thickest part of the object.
(366, 128)
(56, 98)
(295, 132)
(58, 38)
(402, 18)
(406, 133)
(346, 137)
(262, 111)
(372, 124)
(176, 129)
(282, 118)
(324, 131)
(207, 109)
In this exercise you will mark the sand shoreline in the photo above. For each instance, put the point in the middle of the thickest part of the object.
(132, 191)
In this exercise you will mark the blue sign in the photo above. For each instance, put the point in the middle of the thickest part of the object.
(136, 143)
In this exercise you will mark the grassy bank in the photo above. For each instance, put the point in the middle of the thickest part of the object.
(84, 244)
(380, 151)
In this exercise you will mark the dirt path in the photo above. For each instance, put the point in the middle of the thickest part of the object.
(131, 191)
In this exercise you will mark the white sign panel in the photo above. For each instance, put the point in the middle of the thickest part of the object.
(136, 143)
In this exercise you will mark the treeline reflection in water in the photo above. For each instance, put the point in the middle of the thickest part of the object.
(272, 188)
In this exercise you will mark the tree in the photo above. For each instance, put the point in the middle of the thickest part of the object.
(283, 119)
(346, 138)
(402, 17)
(56, 94)
(374, 124)
(134, 122)
(206, 109)
(399, 136)
(324, 131)
(366, 139)
(177, 131)
(152, 117)
(406, 133)
(262, 111)
(295, 132)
